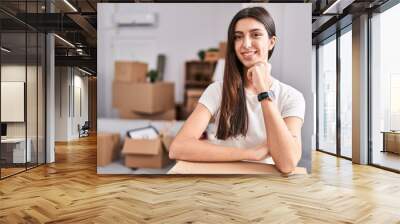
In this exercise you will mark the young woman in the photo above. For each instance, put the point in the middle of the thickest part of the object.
(257, 116)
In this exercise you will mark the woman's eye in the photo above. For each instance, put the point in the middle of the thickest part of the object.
(257, 34)
(237, 37)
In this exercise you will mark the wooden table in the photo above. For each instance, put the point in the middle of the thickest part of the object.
(185, 167)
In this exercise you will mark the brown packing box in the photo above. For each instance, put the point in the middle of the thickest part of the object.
(222, 49)
(192, 96)
(147, 98)
(184, 167)
(211, 56)
(130, 71)
(147, 153)
(168, 115)
(107, 148)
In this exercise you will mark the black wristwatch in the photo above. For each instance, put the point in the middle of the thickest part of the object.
(266, 95)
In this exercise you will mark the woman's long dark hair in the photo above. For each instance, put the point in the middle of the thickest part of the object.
(233, 120)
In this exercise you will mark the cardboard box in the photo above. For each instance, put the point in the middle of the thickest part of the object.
(185, 167)
(211, 56)
(168, 115)
(222, 49)
(192, 98)
(141, 153)
(108, 148)
(149, 98)
(130, 71)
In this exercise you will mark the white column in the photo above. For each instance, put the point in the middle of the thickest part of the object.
(50, 100)
(50, 92)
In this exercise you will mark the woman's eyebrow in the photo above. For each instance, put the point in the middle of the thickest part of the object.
(252, 30)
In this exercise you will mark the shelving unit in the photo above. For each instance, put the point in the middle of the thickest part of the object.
(198, 75)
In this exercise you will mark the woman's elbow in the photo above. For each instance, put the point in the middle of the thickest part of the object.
(174, 149)
(290, 164)
(288, 167)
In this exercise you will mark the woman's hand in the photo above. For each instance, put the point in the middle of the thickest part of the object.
(258, 153)
(259, 76)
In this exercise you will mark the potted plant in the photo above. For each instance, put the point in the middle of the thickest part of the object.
(153, 75)
(201, 54)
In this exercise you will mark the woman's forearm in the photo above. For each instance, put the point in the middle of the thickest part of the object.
(282, 145)
(192, 149)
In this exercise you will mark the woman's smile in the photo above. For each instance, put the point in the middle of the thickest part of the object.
(249, 55)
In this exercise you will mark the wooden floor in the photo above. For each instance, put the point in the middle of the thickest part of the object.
(70, 191)
(10, 171)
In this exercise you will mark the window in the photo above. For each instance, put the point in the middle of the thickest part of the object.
(23, 77)
(346, 93)
(327, 96)
(385, 89)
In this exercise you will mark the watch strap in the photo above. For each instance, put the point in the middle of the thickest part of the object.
(264, 95)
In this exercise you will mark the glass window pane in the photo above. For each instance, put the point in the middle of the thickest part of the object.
(346, 94)
(31, 101)
(327, 97)
(386, 89)
(22, 88)
(32, 87)
(14, 151)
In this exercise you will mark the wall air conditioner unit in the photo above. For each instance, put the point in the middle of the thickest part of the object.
(135, 19)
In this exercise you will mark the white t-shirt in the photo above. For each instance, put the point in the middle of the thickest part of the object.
(290, 102)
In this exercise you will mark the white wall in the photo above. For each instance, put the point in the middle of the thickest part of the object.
(183, 29)
(61, 103)
(67, 80)
(12, 73)
(80, 83)
(18, 73)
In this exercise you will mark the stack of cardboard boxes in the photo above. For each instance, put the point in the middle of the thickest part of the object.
(137, 99)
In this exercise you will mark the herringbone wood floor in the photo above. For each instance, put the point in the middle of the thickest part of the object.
(70, 191)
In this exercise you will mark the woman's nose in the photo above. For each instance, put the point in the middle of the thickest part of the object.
(246, 42)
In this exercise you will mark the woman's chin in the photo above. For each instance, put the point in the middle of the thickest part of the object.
(249, 64)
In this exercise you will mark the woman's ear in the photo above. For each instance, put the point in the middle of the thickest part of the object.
(272, 42)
